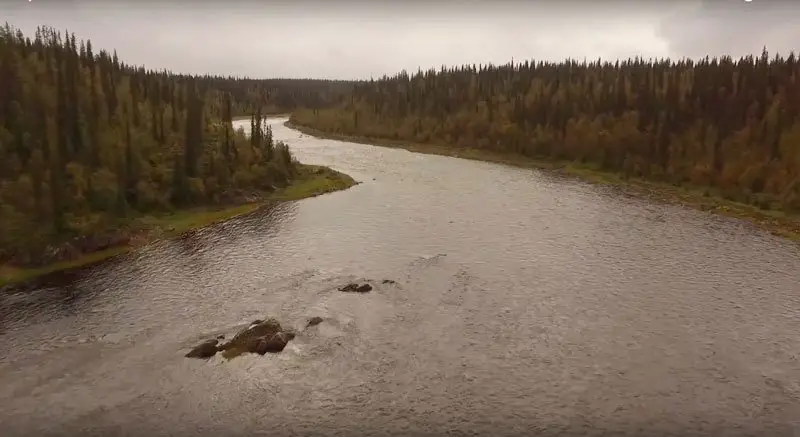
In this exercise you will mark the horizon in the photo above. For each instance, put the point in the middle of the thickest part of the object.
(372, 41)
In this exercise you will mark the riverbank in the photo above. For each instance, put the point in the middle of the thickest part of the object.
(776, 222)
(268, 115)
(312, 181)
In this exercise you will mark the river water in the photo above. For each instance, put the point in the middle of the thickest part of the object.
(524, 303)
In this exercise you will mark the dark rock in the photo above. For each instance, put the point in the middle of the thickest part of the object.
(256, 322)
(261, 346)
(266, 327)
(314, 321)
(363, 288)
(252, 344)
(276, 343)
(241, 341)
(388, 281)
(260, 337)
(349, 287)
(220, 337)
(206, 349)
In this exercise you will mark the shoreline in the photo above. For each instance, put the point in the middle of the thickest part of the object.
(312, 181)
(776, 222)
(269, 116)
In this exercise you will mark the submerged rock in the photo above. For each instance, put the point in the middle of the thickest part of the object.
(349, 287)
(388, 281)
(259, 328)
(275, 343)
(261, 347)
(314, 321)
(260, 337)
(356, 288)
(206, 349)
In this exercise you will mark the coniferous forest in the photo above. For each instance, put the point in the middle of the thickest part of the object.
(86, 140)
(732, 126)
(280, 96)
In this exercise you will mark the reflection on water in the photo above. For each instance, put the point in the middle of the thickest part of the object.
(65, 294)
(524, 301)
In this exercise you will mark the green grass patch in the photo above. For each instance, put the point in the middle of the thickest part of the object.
(314, 181)
(10, 275)
(311, 181)
(179, 222)
(777, 222)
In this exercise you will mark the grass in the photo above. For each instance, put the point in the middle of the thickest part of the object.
(777, 222)
(312, 181)
(11, 275)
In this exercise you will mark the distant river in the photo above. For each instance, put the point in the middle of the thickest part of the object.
(525, 303)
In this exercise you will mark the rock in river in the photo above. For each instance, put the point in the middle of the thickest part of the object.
(314, 321)
(206, 349)
(274, 344)
(260, 337)
(356, 288)
(266, 335)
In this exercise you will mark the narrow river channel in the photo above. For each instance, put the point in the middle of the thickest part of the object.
(525, 303)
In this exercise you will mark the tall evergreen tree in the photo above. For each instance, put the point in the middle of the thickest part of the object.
(88, 142)
(728, 125)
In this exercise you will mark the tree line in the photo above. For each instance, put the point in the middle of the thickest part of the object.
(86, 140)
(731, 126)
(280, 96)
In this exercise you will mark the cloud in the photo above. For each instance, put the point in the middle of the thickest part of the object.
(732, 27)
(363, 39)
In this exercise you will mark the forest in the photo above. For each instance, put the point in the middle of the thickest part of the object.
(731, 126)
(87, 141)
(279, 96)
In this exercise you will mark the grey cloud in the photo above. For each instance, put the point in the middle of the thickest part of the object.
(732, 27)
(361, 39)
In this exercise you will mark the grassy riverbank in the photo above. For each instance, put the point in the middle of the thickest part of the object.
(312, 181)
(265, 114)
(775, 221)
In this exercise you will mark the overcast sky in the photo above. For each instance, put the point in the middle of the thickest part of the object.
(360, 39)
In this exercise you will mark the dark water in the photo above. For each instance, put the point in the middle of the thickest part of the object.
(524, 304)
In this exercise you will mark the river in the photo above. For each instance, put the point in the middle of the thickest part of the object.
(525, 302)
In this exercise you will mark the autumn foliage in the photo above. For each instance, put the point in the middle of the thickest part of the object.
(731, 126)
(87, 141)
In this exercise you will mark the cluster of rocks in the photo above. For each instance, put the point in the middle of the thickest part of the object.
(264, 336)
(356, 288)
(261, 337)
(364, 287)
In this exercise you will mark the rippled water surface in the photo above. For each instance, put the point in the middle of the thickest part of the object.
(523, 303)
